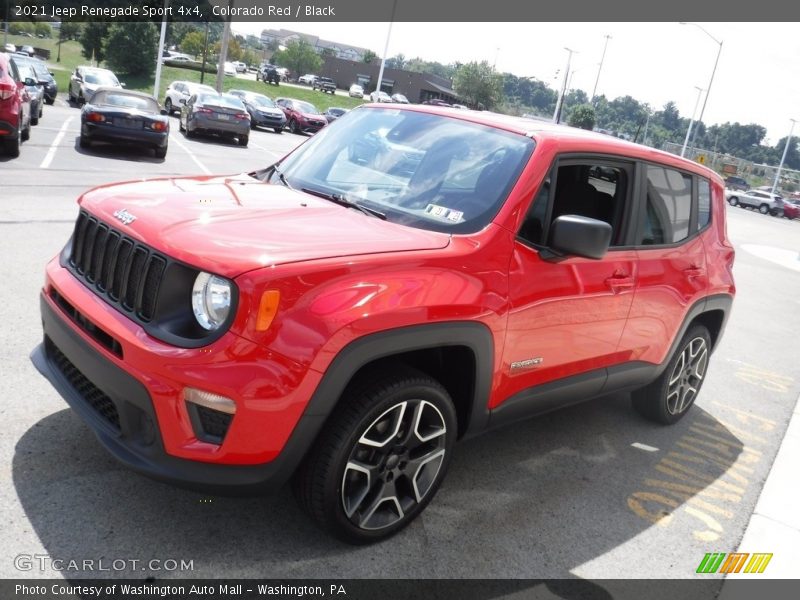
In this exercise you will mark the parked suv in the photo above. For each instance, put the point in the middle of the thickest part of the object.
(268, 74)
(179, 92)
(15, 107)
(324, 84)
(736, 183)
(765, 202)
(85, 80)
(402, 280)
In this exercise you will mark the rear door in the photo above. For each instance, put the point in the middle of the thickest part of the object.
(673, 212)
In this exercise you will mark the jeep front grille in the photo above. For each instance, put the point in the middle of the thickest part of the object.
(121, 270)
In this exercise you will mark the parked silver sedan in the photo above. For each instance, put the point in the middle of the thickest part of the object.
(220, 114)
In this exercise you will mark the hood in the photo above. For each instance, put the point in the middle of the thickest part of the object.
(230, 225)
(270, 111)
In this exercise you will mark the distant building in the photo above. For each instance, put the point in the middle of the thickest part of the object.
(284, 36)
(417, 87)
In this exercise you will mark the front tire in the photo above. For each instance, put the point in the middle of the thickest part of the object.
(293, 127)
(381, 457)
(733, 201)
(669, 398)
(763, 209)
(168, 106)
(279, 130)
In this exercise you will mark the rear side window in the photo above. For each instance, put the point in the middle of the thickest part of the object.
(668, 207)
(703, 203)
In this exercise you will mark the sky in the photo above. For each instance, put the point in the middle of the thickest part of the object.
(756, 81)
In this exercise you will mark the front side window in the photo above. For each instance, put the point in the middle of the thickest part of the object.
(420, 170)
(668, 207)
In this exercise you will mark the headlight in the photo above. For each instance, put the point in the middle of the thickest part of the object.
(211, 300)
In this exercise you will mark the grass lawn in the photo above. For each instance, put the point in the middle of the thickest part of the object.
(71, 57)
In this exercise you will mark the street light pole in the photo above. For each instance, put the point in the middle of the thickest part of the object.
(386, 48)
(160, 56)
(560, 101)
(783, 158)
(691, 121)
(600, 68)
(713, 71)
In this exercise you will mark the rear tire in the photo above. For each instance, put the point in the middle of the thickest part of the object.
(667, 399)
(84, 142)
(243, 140)
(13, 146)
(380, 458)
(168, 106)
(160, 152)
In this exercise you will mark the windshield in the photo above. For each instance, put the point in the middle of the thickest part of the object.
(99, 78)
(421, 170)
(305, 107)
(260, 100)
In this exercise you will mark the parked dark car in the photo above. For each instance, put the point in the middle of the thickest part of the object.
(736, 183)
(268, 74)
(263, 110)
(43, 76)
(116, 115)
(333, 113)
(324, 84)
(15, 107)
(301, 117)
(35, 91)
(219, 114)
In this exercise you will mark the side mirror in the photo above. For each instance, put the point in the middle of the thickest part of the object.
(29, 81)
(182, 101)
(53, 74)
(580, 236)
(78, 78)
(163, 111)
(122, 84)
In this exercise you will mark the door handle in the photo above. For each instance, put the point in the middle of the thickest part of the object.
(693, 272)
(619, 283)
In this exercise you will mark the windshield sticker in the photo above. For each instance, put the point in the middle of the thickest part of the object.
(443, 212)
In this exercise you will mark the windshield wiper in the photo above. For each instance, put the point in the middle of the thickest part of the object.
(281, 176)
(342, 201)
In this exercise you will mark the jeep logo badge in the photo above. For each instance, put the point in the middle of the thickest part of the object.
(124, 216)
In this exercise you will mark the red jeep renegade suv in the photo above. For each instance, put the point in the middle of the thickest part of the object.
(407, 277)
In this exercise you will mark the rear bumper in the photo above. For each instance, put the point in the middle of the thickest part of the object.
(7, 130)
(104, 133)
(209, 125)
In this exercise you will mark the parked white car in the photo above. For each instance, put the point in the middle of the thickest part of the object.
(179, 92)
(230, 69)
(356, 91)
(307, 79)
(765, 202)
(380, 97)
(240, 67)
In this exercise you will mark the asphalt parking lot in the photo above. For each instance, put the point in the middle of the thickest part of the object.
(565, 495)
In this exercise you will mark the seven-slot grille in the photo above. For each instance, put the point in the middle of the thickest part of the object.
(123, 271)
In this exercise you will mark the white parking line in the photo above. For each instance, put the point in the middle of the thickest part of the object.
(644, 447)
(191, 155)
(273, 152)
(54, 146)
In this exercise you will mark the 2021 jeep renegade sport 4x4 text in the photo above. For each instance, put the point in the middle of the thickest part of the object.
(407, 277)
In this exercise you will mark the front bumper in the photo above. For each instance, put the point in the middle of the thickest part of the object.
(267, 120)
(136, 407)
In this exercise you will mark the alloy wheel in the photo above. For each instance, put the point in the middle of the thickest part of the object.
(394, 464)
(686, 377)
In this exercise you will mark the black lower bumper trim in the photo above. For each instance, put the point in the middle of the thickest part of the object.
(138, 445)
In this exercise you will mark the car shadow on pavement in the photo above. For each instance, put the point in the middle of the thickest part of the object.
(211, 139)
(536, 499)
(129, 152)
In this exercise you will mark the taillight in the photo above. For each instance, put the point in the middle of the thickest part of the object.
(95, 117)
(159, 126)
(7, 91)
(205, 111)
(242, 115)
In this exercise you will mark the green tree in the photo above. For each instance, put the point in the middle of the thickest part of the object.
(92, 37)
(192, 43)
(369, 56)
(43, 29)
(131, 48)
(299, 57)
(69, 31)
(582, 116)
(478, 84)
(396, 62)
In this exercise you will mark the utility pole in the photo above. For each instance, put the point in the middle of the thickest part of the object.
(223, 51)
(160, 56)
(560, 101)
(783, 158)
(205, 55)
(600, 68)
(713, 71)
(691, 121)
(386, 48)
